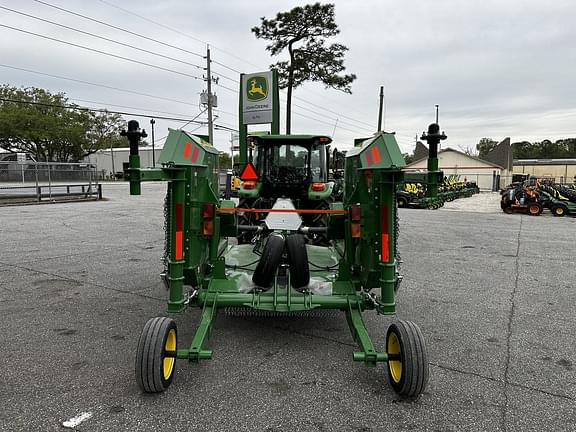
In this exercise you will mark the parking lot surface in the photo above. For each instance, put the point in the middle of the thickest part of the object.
(494, 294)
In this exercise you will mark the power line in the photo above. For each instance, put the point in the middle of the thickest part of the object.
(102, 52)
(118, 28)
(184, 50)
(103, 38)
(98, 85)
(80, 108)
(179, 32)
(131, 107)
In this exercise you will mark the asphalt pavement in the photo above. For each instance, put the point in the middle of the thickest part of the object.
(494, 295)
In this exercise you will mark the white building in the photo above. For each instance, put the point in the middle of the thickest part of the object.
(468, 167)
(105, 159)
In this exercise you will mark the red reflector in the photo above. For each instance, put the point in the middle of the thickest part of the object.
(385, 237)
(195, 154)
(250, 184)
(376, 154)
(249, 172)
(318, 187)
(208, 227)
(355, 213)
(208, 211)
(186, 152)
(384, 220)
(179, 249)
(179, 216)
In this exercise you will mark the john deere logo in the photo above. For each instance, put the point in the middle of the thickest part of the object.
(257, 88)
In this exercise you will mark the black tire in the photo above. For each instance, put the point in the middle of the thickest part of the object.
(408, 368)
(154, 370)
(535, 209)
(559, 210)
(298, 260)
(269, 261)
(402, 202)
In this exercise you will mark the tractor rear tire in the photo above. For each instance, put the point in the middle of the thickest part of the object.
(535, 209)
(408, 359)
(155, 370)
(559, 210)
(298, 260)
(269, 261)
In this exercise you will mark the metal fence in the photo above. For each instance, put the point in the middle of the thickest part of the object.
(25, 181)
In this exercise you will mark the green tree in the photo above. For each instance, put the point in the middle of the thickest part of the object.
(35, 121)
(485, 146)
(225, 161)
(303, 31)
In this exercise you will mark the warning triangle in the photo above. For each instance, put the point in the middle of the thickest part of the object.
(248, 172)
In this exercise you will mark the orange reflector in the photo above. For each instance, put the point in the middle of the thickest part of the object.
(179, 246)
(250, 184)
(385, 251)
(355, 230)
(208, 227)
(318, 187)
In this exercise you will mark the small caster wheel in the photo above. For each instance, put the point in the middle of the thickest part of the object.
(156, 355)
(408, 359)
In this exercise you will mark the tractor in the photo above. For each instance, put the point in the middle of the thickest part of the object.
(292, 170)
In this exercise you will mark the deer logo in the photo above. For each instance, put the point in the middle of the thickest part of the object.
(258, 88)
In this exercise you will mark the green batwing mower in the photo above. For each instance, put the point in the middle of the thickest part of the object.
(288, 250)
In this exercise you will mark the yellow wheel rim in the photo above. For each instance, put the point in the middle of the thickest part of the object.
(168, 363)
(559, 211)
(395, 366)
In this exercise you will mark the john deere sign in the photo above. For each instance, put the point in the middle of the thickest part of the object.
(257, 98)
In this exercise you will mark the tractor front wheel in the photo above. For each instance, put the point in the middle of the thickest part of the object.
(156, 355)
(407, 359)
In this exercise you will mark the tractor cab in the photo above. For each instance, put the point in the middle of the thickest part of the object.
(289, 166)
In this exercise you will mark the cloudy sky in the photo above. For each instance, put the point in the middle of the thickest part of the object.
(496, 68)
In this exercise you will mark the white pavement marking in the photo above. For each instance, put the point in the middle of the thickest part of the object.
(75, 421)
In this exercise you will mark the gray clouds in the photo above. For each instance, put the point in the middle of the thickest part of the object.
(496, 68)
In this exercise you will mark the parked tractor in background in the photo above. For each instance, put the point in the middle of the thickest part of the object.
(532, 195)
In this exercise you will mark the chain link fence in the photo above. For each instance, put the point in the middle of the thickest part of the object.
(29, 181)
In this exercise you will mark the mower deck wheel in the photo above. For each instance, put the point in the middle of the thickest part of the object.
(154, 369)
(269, 261)
(408, 359)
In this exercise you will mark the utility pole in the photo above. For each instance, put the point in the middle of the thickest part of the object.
(209, 85)
(380, 110)
(112, 157)
(152, 121)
